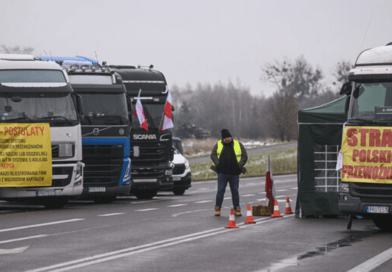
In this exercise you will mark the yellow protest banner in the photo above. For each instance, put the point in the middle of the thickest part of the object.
(367, 155)
(25, 155)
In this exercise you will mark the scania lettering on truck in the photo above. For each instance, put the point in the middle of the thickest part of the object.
(105, 128)
(366, 168)
(151, 151)
(34, 92)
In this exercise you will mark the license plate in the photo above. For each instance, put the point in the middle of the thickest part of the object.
(377, 209)
(176, 178)
(46, 193)
(96, 189)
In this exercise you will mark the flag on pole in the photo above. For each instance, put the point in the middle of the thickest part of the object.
(167, 113)
(269, 184)
(139, 113)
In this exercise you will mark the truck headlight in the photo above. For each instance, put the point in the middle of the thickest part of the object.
(344, 187)
(79, 170)
(187, 165)
(127, 172)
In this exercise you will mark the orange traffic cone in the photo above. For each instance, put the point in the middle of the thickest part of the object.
(249, 216)
(288, 207)
(231, 224)
(276, 210)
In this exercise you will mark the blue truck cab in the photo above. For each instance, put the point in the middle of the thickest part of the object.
(105, 128)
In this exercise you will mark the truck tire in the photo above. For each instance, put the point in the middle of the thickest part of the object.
(383, 222)
(104, 199)
(54, 203)
(145, 194)
(178, 191)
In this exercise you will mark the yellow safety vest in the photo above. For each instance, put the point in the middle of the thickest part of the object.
(237, 150)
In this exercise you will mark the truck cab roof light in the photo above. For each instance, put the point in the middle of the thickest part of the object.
(94, 68)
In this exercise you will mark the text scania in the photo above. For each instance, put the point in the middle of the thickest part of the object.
(144, 137)
(24, 131)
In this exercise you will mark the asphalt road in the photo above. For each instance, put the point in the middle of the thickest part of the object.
(180, 233)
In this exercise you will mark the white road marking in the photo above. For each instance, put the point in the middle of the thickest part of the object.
(110, 214)
(24, 238)
(41, 225)
(145, 210)
(248, 195)
(294, 188)
(282, 190)
(374, 262)
(76, 264)
(13, 250)
(203, 201)
(229, 197)
(177, 214)
(176, 205)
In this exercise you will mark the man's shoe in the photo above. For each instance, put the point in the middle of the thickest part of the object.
(217, 211)
(237, 211)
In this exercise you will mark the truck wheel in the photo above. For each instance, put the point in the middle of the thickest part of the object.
(179, 191)
(383, 222)
(54, 203)
(145, 194)
(104, 199)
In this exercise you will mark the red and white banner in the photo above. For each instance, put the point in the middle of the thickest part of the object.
(167, 113)
(139, 113)
(269, 184)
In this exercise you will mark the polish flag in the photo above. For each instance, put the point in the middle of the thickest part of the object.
(269, 184)
(139, 113)
(167, 113)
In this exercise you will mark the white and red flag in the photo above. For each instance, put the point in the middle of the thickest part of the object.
(269, 184)
(139, 113)
(167, 113)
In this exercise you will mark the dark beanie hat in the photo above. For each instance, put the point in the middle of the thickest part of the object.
(225, 133)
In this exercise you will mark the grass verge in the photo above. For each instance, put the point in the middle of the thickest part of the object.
(282, 162)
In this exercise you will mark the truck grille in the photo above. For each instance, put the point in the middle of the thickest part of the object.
(62, 171)
(103, 164)
(152, 159)
(372, 190)
(178, 169)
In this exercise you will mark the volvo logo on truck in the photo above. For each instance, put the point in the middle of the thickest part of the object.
(144, 137)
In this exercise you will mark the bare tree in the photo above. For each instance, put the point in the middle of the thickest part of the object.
(341, 71)
(300, 77)
(16, 50)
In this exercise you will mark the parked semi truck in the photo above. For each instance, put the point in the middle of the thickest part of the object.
(105, 128)
(366, 168)
(38, 92)
(151, 151)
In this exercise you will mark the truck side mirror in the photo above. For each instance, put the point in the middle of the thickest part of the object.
(346, 88)
(346, 106)
(79, 104)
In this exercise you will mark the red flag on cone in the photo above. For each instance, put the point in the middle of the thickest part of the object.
(231, 224)
(269, 184)
(167, 113)
(139, 113)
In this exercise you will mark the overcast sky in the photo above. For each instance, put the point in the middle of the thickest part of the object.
(202, 41)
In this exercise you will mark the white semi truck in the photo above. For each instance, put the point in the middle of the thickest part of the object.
(366, 169)
(38, 92)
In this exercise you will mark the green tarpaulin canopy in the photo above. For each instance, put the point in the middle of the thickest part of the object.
(319, 139)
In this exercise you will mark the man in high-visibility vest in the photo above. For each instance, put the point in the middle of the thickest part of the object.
(228, 160)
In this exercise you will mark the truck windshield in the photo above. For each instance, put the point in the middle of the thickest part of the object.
(104, 109)
(32, 76)
(153, 113)
(55, 108)
(372, 102)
